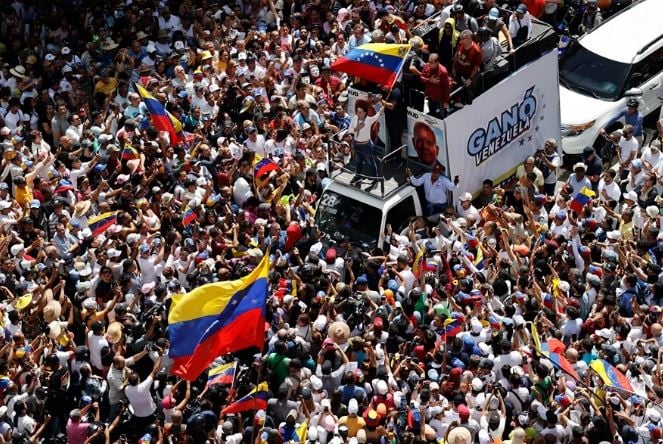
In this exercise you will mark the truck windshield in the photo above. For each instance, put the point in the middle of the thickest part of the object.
(588, 73)
(343, 217)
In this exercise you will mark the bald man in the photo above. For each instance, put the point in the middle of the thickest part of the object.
(115, 378)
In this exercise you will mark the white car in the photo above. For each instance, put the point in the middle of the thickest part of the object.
(600, 71)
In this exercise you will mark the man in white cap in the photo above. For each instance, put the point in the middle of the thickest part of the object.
(464, 208)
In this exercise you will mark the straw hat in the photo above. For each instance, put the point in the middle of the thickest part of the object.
(52, 311)
(54, 329)
(81, 208)
(114, 332)
(140, 35)
(109, 45)
(18, 71)
(339, 332)
(459, 435)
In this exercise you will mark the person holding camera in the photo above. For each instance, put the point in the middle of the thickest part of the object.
(547, 160)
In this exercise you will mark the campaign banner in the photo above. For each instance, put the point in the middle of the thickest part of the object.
(426, 141)
(379, 130)
(504, 125)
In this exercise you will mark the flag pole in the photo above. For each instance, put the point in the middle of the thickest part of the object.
(259, 373)
(398, 73)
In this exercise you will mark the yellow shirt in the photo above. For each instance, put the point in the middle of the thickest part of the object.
(24, 196)
(107, 88)
(354, 424)
(627, 230)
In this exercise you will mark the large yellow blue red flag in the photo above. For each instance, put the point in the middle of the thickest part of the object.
(378, 62)
(217, 319)
(160, 118)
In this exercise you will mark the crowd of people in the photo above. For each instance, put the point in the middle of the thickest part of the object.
(431, 337)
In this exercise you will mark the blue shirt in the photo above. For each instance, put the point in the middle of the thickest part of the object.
(634, 119)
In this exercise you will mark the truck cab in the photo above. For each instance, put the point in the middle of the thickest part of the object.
(362, 213)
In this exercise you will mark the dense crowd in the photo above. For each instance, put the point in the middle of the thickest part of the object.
(431, 337)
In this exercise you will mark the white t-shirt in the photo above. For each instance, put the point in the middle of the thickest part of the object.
(96, 343)
(140, 398)
(628, 148)
(148, 269)
(258, 146)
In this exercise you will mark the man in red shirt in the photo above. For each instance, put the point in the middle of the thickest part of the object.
(331, 85)
(436, 80)
(467, 64)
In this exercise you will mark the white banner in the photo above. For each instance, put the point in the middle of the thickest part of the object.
(426, 140)
(379, 130)
(504, 125)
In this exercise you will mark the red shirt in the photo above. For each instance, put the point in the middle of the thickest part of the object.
(535, 7)
(466, 60)
(330, 87)
(438, 92)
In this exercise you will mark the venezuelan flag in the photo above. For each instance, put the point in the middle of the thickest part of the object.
(160, 118)
(130, 153)
(223, 374)
(553, 350)
(217, 319)
(264, 166)
(478, 260)
(64, 185)
(377, 62)
(452, 327)
(214, 199)
(99, 224)
(302, 431)
(188, 217)
(582, 198)
(418, 265)
(256, 399)
(610, 375)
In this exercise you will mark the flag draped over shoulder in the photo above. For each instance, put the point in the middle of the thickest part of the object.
(377, 62)
(160, 118)
(216, 319)
(254, 400)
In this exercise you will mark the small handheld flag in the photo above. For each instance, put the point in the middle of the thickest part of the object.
(222, 374)
(582, 198)
(256, 399)
(130, 153)
(101, 223)
(188, 217)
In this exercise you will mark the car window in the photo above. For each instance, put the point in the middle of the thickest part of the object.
(400, 213)
(588, 73)
(646, 69)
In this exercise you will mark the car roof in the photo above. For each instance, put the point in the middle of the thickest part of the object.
(621, 37)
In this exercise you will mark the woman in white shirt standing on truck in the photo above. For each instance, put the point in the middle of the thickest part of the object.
(360, 128)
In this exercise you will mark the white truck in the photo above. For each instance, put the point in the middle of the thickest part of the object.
(487, 139)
